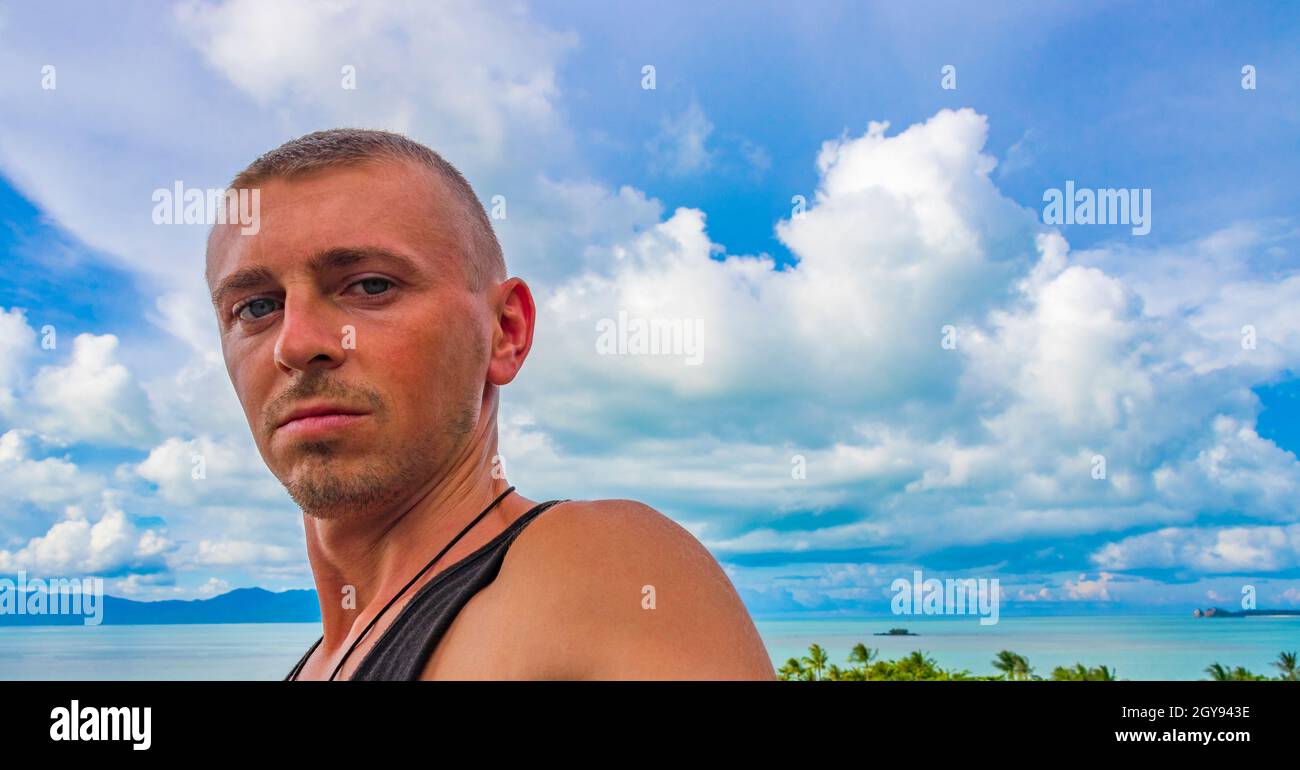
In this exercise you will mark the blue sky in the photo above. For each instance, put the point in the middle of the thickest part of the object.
(821, 331)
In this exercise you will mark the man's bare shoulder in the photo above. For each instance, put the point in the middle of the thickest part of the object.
(620, 591)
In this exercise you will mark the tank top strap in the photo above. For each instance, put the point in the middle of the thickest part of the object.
(410, 639)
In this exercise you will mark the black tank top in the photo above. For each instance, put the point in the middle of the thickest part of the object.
(409, 640)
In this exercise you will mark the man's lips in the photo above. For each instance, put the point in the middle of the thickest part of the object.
(317, 417)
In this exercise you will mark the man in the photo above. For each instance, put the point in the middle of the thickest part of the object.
(368, 326)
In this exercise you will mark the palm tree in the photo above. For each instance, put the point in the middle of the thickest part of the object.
(862, 655)
(1013, 666)
(1081, 673)
(816, 660)
(914, 666)
(1286, 663)
(1218, 673)
(1023, 669)
(792, 670)
(1076, 674)
(1005, 662)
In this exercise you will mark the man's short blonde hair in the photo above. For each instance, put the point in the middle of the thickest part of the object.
(347, 146)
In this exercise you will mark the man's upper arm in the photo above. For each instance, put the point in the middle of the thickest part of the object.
(613, 589)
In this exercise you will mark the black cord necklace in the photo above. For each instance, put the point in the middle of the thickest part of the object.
(398, 595)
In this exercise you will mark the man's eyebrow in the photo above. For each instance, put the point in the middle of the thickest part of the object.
(346, 256)
(330, 259)
(247, 278)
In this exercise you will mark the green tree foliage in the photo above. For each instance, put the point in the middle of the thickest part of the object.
(865, 666)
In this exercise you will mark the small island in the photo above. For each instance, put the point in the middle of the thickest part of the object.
(1219, 612)
(896, 632)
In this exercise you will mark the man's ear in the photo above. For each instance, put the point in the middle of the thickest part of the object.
(512, 335)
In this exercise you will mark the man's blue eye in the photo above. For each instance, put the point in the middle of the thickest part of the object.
(375, 285)
(258, 308)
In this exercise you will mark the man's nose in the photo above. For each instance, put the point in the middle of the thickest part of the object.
(311, 335)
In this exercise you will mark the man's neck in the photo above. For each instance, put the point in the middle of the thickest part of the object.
(360, 562)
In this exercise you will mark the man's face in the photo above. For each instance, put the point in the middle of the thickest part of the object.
(354, 300)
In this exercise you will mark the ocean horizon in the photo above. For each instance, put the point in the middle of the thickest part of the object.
(1138, 647)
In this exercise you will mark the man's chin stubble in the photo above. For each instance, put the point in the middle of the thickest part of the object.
(326, 492)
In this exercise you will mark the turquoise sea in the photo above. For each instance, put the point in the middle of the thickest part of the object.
(1135, 647)
(1160, 647)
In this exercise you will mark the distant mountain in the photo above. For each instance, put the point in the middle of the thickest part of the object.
(242, 605)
